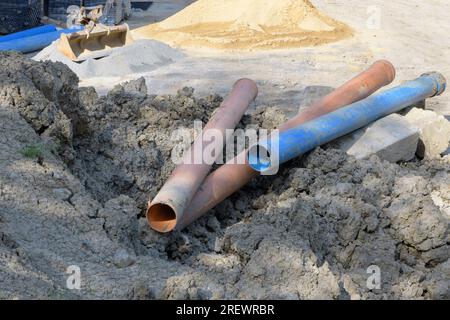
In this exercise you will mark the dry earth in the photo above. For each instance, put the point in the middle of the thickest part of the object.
(76, 170)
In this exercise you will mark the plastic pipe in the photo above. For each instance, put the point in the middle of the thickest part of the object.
(236, 173)
(167, 208)
(379, 74)
(305, 137)
(28, 33)
(34, 42)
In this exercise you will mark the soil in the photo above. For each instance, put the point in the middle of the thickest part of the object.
(76, 171)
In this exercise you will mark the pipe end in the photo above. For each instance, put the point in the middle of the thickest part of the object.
(389, 69)
(161, 217)
(258, 158)
(440, 81)
(248, 85)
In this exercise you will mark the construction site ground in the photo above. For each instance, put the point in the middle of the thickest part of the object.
(79, 159)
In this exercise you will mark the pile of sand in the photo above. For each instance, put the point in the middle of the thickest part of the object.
(247, 24)
(141, 56)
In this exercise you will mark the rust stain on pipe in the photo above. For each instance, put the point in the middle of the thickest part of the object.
(166, 210)
(230, 177)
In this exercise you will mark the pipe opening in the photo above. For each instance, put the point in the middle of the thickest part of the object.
(259, 158)
(161, 217)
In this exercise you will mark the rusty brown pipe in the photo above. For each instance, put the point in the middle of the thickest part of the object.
(231, 177)
(166, 210)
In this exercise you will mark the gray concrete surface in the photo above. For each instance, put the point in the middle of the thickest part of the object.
(391, 138)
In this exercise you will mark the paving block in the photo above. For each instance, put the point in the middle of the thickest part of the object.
(391, 138)
(434, 132)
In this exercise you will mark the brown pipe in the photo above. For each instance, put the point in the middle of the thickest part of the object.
(166, 210)
(230, 177)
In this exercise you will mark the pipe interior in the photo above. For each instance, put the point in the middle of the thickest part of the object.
(161, 217)
(259, 158)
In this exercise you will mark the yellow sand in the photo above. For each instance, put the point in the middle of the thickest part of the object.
(246, 24)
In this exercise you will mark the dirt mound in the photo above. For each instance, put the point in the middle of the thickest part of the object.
(310, 232)
(248, 24)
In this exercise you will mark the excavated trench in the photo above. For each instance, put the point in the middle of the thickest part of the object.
(77, 171)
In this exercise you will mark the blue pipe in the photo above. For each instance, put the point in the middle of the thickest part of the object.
(299, 140)
(28, 33)
(34, 43)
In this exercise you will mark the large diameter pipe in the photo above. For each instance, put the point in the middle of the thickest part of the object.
(28, 32)
(306, 137)
(166, 210)
(235, 174)
(34, 42)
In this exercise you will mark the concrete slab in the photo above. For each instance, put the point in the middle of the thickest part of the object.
(391, 138)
